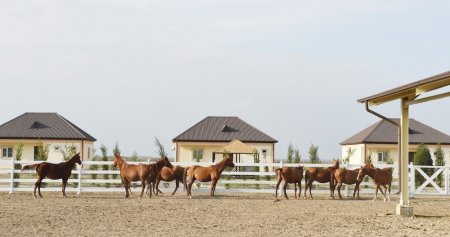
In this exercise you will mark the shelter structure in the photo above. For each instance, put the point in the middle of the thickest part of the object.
(410, 94)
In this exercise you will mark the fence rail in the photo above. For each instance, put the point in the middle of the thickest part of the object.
(237, 181)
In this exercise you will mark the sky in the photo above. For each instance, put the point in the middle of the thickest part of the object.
(130, 71)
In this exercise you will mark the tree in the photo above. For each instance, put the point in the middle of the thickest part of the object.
(160, 148)
(198, 155)
(439, 161)
(104, 157)
(116, 150)
(297, 156)
(350, 153)
(18, 156)
(94, 167)
(290, 153)
(68, 151)
(42, 153)
(422, 157)
(314, 154)
(134, 156)
(256, 161)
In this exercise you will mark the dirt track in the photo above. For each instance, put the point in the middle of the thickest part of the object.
(226, 215)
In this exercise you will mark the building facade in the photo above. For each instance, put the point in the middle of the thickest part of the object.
(48, 132)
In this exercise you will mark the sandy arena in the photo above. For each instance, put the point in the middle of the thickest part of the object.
(101, 214)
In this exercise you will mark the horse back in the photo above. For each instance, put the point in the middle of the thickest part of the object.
(291, 174)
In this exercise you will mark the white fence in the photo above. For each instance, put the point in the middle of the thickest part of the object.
(235, 181)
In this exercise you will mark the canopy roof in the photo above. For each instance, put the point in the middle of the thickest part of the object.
(411, 91)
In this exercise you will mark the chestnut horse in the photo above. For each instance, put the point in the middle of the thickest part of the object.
(381, 177)
(62, 171)
(170, 174)
(205, 174)
(141, 172)
(344, 176)
(321, 175)
(289, 175)
(155, 170)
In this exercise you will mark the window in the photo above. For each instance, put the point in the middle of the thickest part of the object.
(7, 152)
(382, 156)
(197, 155)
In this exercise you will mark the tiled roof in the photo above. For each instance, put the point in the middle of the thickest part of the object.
(42, 126)
(223, 129)
(384, 132)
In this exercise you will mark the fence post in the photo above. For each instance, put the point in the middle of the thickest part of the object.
(412, 189)
(79, 179)
(347, 166)
(11, 189)
(446, 182)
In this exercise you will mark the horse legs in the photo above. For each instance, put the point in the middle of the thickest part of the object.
(284, 189)
(299, 189)
(339, 186)
(385, 192)
(213, 187)
(356, 189)
(376, 193)
(37, 185)
(295, 190)
(126, 185)
(158, 179)
(64, 184)
(189, 186)
(277, 187)
(177, 184)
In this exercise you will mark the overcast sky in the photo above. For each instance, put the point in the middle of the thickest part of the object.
(127, 71)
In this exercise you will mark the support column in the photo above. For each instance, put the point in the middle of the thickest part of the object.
(404, 208)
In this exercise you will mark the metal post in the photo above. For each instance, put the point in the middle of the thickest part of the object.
(79, 179)
(11, 189)
(404, 208)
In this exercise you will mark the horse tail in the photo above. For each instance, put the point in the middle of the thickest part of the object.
(306, 177)
(277, 172)
(30, 167)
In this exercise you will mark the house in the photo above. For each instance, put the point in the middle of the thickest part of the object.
(37, 131)
(209, 138)
(380, 142)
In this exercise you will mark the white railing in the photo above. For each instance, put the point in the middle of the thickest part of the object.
(430, 180)
(235, 181)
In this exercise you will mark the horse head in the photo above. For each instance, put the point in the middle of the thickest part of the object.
(116, 160)
(363, 171)
(77, 158)
(229, 160)
(166, 162)
(335, 164)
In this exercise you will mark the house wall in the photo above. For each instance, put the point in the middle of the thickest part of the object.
(54, 147)
(184, 151)
(372, 150)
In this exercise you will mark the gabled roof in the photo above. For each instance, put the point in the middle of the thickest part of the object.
(42, 126)
(384, 132)
(223, 129)
(237, 147)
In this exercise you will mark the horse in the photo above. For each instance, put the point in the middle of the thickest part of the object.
(321, 175)
(141, 172)
(170, 174)
(62, 171)
(155, 170)
(381, 177)
(205, 174)
(347, 177)
(289, 175)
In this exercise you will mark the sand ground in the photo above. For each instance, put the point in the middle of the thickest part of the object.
(101, 214)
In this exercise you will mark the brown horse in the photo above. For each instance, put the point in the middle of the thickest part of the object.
(381, 177)
(155, 170)
(205, 174)
(170, 174)
(289, 175)
(62, 171)
(344, 176)
(321, 175)
(141, 172)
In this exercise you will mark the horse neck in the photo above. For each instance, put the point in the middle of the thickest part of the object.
(71, 163)
(370, 172)
(221, 166)
(120, 162)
